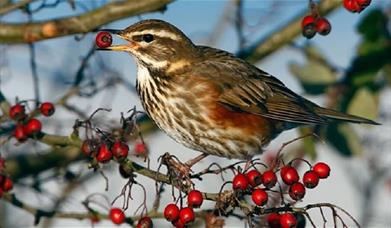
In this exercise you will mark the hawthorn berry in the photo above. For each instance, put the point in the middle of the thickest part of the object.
(309, 19)
(289, 175)
(17, 112)
(116, 215)
(94, 218)
(259, 197)
(323, 26)
(171, 212)
(145, 222)
(254, 177)
(297, 191)
(87, 147)
(103, 39)
(7, 184)
(363, 3)
(322, 169)
(120, 150)
(240, 181)
(140, 149)
(47, 108)
(186, 215)
(178, 223)
(309, 31)
(287, 220)
(19, 133)
(273, 220)
(269, 179)
(2, 163)
(194, 198)
(310, 179)
(352, 6)
(32, 127)
(104, 154)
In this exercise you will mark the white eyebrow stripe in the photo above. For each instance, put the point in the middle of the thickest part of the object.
(160, 33)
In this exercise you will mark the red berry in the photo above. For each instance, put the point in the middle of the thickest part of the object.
(240, 181)
(140, 149)
(259, 197)
(309, 19)
(94, 218)
(33, 126)
(269, 179)
(7, 184)
(103, 39)
(178, 224)
(17, 112)
(2, 163)
(322, 169)
(186, 215)
(309, 31)
(120, 150)
(19, 133)
(254, 177)
(297, 191)
(116, 215)
(2, 178)
(363, 3)
(195, 198)
(104, 154)
(87, 147)
(310, 179)
(289, 175)
(287, 220)
(273, 220)
(171, 212)
(352, 6)
(145, 222)
(323, 26)
(47, 109)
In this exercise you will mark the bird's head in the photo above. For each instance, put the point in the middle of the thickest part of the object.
(154, 43)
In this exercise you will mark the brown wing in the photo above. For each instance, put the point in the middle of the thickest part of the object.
(246, 88)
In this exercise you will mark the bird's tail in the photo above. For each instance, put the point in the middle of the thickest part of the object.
(335, 115)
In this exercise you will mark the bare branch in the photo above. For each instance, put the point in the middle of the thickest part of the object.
(36, 31)
(283, 35)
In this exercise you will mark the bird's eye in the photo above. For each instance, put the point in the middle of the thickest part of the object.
(147, 38)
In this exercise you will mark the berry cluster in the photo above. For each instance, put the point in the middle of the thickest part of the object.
(28, 126)
(250, 181)
(103, 39)
(184, 216)
(6, 183)
(105, 151)
(356, 6)
(312, 24)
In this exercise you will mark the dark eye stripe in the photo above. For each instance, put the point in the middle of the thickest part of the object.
(137, 38)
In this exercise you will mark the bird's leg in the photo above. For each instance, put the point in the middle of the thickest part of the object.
(186, 167)
(193, 161)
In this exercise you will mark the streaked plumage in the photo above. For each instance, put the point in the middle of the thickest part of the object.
(211, 101)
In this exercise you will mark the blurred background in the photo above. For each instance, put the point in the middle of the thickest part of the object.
(349, 70)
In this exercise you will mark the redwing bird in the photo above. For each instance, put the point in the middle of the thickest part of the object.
(208, 99)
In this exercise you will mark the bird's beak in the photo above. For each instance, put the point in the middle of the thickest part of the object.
(121, 47)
